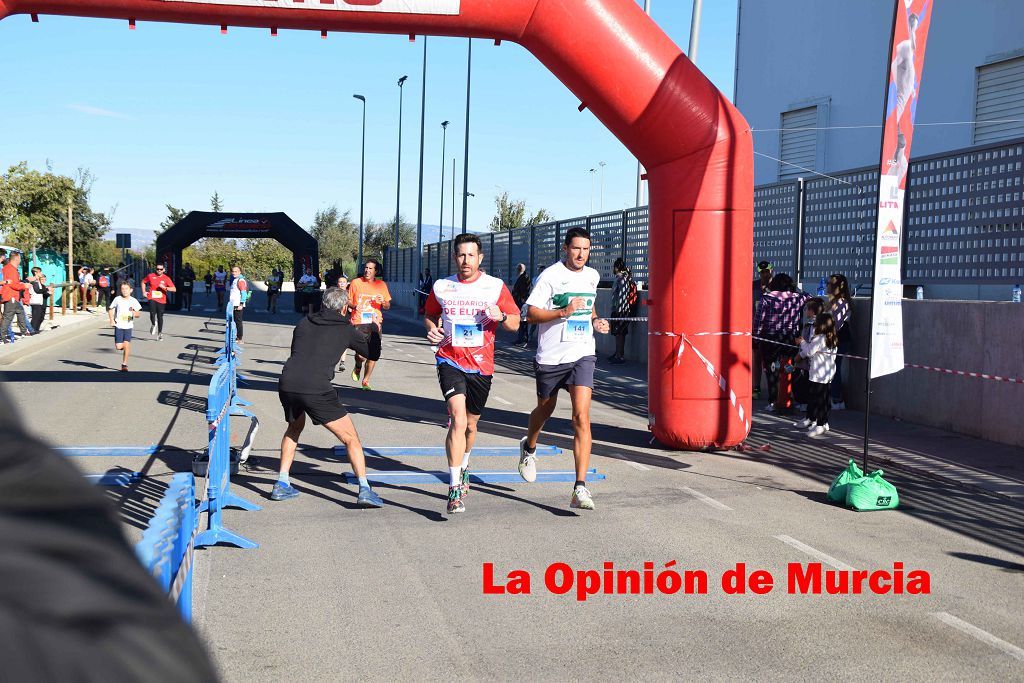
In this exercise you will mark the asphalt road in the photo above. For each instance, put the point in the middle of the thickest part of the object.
(339, 593)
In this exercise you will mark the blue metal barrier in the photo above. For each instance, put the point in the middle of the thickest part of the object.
(221, 403)
(166, 548)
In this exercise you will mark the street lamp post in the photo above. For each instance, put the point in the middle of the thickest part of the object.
(639, 166)
(440, 221)
(453, 197)
(602, 165)
(362, 184)
(465, 159)
(416, 255)
(398, 182)
(592, 172)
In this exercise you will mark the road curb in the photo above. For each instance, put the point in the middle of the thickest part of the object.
(51, 339)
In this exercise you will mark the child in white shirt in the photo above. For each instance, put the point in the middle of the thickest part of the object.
(123, 311)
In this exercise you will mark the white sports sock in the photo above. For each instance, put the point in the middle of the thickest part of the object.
(283, 478)
(465, 459)
(456, 475)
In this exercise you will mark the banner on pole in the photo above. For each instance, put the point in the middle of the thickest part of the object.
(906, 63)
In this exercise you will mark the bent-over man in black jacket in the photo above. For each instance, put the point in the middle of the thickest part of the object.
(305, 389)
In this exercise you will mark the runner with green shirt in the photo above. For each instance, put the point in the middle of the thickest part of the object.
(562, 306)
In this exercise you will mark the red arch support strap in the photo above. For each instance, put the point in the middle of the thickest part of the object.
(695, 145)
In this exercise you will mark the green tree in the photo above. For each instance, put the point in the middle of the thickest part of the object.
(34, 205)
(174, 214)
(379, 236)
(510, 215)
(215, 202)
(337, 237)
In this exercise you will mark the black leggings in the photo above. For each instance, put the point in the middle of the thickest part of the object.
(237, 315)
(156, 315)
(186, 298)
(819, 405)
(103, 297)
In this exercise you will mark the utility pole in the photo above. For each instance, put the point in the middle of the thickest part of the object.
(71, 246)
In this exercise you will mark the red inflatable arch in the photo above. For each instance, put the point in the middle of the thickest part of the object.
(694, 143)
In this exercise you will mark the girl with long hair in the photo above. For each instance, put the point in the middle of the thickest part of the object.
(839, 307)
(820, 352)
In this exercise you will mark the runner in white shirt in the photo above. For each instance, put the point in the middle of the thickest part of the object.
(307, 288)
(123, 311)
(562, 306)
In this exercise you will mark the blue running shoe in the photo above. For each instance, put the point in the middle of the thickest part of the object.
(283, 491)
(368, 498)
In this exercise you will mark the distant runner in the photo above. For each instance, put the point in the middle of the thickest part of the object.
(462, 314)
(274, 284)
(305, 389)
(155, 287)
(307, 286)
(220, 279)
(368, 298)
(123, 311)
(562, 306)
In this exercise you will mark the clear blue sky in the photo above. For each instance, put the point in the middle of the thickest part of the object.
(169, 113)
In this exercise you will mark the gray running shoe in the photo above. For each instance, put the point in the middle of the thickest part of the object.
(368, 498)
(283, 491)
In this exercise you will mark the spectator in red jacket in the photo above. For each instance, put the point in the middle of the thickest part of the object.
(10, 294)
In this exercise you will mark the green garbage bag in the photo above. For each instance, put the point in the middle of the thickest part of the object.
(872, 493)
(837, 491)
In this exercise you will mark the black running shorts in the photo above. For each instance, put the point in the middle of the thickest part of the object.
(321, 408)
(551, 378)
(474, 386)
(371, 331)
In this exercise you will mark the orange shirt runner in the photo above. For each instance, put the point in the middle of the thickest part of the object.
(366, 299)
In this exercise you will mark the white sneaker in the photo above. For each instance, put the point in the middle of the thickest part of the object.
(528, 463)
(769, 408)
(816, 430)
(152, 330)
(841, 405)
(803, 424)
(581, 499)
(827, 428)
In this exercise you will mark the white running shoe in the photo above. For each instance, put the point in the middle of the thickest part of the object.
(528, 462)
(816, 430)
(769, 408)
(803, 424)
(152, 330)
(581, 499)
(827, 428)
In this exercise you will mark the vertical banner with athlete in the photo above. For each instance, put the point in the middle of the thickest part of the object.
(906, 63)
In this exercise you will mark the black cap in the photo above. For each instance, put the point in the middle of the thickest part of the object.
(764, 265)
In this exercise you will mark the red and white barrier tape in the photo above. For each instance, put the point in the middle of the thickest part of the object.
(964, 373)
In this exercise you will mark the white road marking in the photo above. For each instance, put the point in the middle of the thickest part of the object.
(638, 466)
(502, 401)
(710, 502)
(983, 636)
(813, 552)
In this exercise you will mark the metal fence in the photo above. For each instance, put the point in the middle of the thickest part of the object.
(617, 234)
(964, 224)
